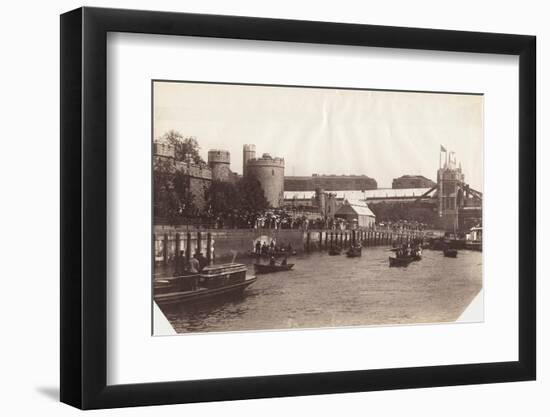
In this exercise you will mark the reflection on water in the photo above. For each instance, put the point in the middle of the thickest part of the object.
(332, 291)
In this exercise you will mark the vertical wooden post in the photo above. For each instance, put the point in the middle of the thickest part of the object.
(178, 245)
(321, 240)
(331, 240)
(209, 248)
(165, 249)
(188, 247)
(177, 257)
(199, 242)
(308, 238)
(326, 239)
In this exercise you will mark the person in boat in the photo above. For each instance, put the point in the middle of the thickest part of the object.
(284, 261)
(289, 248)
(272, 246)
(264, 248)
(258, 248)
(272, 261)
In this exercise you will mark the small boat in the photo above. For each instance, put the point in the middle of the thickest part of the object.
(266, 268)
(354, 252)
(276, 254)
(334, 251)
(400, 261)
(450, 253)
(211, 282)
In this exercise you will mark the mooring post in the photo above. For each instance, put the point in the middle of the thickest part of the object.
(308, 237)
(188, 248)
(199, 243)
(209, 248)
(165, 249)
(177, 254)
(321, 240)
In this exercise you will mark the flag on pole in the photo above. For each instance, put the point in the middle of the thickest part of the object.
(443, 149)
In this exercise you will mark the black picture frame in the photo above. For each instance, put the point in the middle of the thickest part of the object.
(84, 207)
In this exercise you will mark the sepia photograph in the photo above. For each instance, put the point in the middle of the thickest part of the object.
(291, 207)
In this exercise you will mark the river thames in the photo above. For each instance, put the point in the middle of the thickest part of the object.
(335, 291)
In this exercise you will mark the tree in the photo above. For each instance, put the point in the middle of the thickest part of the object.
(164, 199)
(184, 147)
(222, 198)
(172, 197)
(252, 194)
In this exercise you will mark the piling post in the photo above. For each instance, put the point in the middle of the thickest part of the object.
(331, 240)
(199, 242)
(165, 249)
(326, 239)
(177, 254)
(178, 245)
(321, 240)
(209, 248)
(188, 247)
(308, 237)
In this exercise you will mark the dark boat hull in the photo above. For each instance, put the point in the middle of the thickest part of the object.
(202, 294)
(266, 269)
(400, 261)
(334, 252)
(278, 254)
(354, 253)
(450, 253)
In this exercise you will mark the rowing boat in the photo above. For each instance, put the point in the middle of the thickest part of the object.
(400, 261)
(265, 269)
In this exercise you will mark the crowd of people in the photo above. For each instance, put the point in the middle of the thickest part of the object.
(278, 219)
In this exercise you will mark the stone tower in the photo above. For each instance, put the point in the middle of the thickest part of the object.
(448, 180)
(219, 162)
(270, 173)
(249, 152)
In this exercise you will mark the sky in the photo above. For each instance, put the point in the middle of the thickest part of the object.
(382, 134)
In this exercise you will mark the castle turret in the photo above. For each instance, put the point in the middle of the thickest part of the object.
(219, 162)
(270, 173)
(249, 152)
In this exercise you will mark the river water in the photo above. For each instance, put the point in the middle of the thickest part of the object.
(333, 291)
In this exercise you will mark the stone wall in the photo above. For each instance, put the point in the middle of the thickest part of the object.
(226, 242)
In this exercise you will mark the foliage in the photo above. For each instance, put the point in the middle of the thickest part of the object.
(171, 194)
(252, 195)
(184, 147)
(242, 199)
